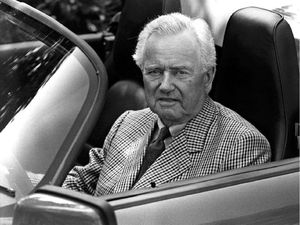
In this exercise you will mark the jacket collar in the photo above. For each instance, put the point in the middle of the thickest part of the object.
(203, 122)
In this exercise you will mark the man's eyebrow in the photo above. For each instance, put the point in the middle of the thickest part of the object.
(174, 67)
(179, 67)
(153, 66)
(147, 69)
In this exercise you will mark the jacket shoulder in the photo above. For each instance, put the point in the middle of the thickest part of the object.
(133, 121)
(139, 116)
(233, 120)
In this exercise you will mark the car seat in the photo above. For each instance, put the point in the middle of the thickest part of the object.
(258, 76)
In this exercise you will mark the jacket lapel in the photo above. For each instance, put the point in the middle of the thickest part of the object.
(134, 156)
(173, 162)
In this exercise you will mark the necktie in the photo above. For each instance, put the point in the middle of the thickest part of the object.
(153, 151)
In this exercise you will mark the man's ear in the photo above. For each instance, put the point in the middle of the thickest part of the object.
(208, 79)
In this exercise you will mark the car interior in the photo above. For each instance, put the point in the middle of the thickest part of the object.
(257, 73)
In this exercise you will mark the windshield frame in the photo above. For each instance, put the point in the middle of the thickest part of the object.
(89, 112)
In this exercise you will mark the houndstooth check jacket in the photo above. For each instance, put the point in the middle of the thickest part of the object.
(216, 140)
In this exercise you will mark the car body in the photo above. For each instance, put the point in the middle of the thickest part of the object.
(52, 91)
(265, 194)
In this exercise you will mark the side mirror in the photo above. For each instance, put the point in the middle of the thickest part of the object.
(53, 205)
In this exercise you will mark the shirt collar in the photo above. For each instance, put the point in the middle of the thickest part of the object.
(174, 129)
(206, 111)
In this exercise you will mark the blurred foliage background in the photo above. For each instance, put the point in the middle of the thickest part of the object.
(80, 16)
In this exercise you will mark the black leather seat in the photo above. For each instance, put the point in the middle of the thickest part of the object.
(123, 95)
(258, 76)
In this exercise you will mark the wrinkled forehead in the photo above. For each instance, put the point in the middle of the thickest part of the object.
(178, 49)
(184, 40)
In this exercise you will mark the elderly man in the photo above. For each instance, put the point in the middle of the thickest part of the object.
(184, 133)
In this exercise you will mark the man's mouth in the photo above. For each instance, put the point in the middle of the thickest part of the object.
(167, 102)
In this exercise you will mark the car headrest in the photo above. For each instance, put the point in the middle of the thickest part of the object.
(135, 14)
(258, 76)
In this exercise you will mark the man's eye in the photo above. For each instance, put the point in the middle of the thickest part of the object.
(181, 73)
(155, 72)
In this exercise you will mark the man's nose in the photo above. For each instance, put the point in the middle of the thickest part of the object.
(166, 82)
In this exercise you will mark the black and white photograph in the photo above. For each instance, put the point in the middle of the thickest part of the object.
(149, 112)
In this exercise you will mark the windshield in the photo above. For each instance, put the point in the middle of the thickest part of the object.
(44, 84)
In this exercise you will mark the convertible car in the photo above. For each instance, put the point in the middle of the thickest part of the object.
(59, 97)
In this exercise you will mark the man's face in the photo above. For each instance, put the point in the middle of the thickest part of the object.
(175, 88)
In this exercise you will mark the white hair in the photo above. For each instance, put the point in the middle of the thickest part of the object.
(176, 23)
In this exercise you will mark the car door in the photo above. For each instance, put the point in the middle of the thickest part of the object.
(262, 194)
